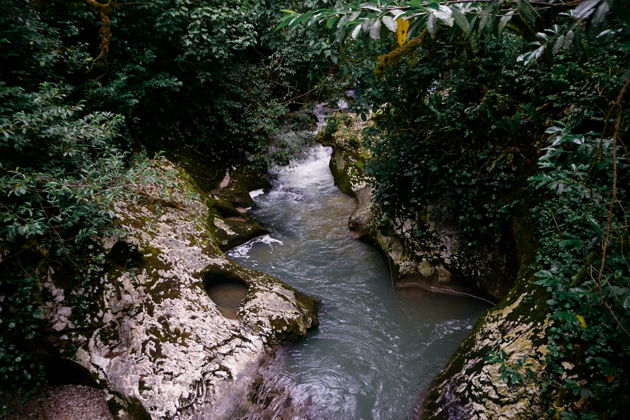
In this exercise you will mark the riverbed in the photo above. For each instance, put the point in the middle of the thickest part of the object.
(376, 349)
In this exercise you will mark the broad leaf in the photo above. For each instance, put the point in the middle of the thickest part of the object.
(444, 14)
(504, 21)
(585, 9)
(375, 30)
(461, 20)
(432, 25)
(390, 23)
(526, 11)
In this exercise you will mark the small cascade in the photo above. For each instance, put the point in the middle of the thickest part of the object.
(375, 350)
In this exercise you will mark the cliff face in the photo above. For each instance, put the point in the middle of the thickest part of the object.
(160, 346)
(492, 373)
(495, 372)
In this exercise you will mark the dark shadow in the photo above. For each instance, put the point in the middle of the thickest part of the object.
(124, 254)
(227, 291)
(60, 371)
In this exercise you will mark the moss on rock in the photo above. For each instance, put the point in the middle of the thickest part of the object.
(161, 346)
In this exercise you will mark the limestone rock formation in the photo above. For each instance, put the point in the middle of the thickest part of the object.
(159, 346)
(492, 375)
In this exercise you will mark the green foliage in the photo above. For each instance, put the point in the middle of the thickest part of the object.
(461, 143)
(494, 112)
(590, 309)
(512, 373)
(77, 109)
(62, 170)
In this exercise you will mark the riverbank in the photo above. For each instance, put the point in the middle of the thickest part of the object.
(160, 346)
(510, 337)
(375, 346)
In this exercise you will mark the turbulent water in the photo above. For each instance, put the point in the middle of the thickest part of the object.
(375, 350)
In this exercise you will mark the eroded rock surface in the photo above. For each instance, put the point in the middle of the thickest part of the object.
(437, 259)
(493, 373)
(160, 346)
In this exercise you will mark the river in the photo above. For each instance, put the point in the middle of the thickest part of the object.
(376, 350)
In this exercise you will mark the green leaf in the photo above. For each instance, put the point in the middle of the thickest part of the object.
(487, 14)
(371, 6)
(434, 6)
(600, 13)
(352, 17)
(390, 23)
(432, 25)
(504, 21)
(461, 20)
(285, 21)
(585, 9)
(375, 30)
(527, 11)
(444, 14)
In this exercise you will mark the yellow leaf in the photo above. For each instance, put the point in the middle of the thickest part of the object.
(401, 31)
(581, 320)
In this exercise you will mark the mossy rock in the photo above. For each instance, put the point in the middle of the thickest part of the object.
(473, 383)
(162, 347)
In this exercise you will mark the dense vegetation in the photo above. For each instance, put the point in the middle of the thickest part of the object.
(88, 90)
(504, 110)
(494, 109)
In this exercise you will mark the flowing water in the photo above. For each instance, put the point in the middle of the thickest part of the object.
(375, 350)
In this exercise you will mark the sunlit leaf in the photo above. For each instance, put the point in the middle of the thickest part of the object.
(375, 30)
(585, 9)
(504, 21)
(432, 25)
(390, 23)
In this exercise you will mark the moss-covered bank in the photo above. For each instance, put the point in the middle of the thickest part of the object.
(159, 346)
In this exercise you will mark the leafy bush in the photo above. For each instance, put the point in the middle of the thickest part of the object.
(85, 88)
(492, 109)
(62, 170)
(589, 301)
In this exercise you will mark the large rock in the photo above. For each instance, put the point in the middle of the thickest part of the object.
(160, 347)
(494, 372)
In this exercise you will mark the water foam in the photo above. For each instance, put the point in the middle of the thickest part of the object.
(256, 193)
(306, 173)
(242, 251)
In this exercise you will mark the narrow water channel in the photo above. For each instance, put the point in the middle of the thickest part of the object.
(375, 350)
